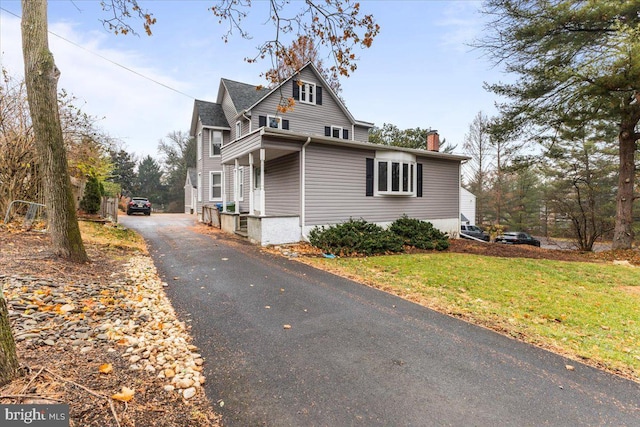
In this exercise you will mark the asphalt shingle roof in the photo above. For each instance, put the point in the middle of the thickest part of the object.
(211, 114)
(244, 95)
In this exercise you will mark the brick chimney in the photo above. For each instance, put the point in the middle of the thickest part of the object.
(433, 141)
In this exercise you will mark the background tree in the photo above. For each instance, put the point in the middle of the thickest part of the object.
(301, 52)
(19, 173)
(149, 183)
(477, 145)
(522, 195)
(178, 153)
(581, 173)
(123, 171)
(390, 134)
(572, 58)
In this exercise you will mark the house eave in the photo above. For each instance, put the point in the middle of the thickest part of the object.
(302, 137)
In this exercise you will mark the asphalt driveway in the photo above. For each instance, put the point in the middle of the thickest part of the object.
(355, 356)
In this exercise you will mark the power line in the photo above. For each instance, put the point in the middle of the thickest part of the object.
(108, 60)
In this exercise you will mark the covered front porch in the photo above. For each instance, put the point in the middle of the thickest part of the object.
(268, 208)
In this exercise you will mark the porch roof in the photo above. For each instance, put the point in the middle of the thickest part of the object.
(278, 142)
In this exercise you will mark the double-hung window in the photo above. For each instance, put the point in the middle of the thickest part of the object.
(238, 129)
(215, 188)
(199, 143)
(395, 174)
(274, 122)
(215, 143)
(307, 93)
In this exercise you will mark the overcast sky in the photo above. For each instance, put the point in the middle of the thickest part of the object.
(419, 72)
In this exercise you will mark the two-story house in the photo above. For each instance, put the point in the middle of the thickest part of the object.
(278, 175)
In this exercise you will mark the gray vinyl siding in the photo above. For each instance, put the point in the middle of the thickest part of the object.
(282, 185)
(361, 133)
(230, 113)
(210, 164)
(238, 148)
(305, 118)
(229, 186)
(336, 189)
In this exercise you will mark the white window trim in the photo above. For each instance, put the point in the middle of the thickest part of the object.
(238, 129)
(304, 88)
(239, 183)
(340, 131)
(279, 119)
(402, 159)
(211, 133)
(200, 145)
(200, 186)
(211, 174)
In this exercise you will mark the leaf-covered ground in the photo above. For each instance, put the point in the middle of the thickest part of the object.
(64, 375)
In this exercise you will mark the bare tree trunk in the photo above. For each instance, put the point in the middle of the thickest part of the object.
(8, 357)
(41, 78)
(623, 232)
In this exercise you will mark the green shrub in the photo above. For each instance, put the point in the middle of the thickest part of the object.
(92, 198)
(355, 237)
(420, 234)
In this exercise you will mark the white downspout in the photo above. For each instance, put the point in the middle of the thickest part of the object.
(303, 193)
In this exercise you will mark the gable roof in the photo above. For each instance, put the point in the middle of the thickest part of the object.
(192, 177)
(242, 95)
(209, 113)
(246, 96)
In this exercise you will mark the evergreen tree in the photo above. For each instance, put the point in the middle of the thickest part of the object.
(149, 183)
(572, 58)
(92, 198)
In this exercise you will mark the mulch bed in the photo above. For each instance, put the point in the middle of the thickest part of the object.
(69, 376)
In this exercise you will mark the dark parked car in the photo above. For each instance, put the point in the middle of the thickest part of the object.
(139, 204)
(517, 238)
(473, 231)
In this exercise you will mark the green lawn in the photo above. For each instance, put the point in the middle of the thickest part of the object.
(587, 311)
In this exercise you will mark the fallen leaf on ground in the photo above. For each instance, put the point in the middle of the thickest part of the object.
(570, 367)
(287, 326)
(105, 368)
(125, 395)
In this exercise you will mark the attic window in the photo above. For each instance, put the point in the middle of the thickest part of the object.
(307, 93)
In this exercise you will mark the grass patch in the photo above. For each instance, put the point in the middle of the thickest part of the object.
(112, 236)
(586, 311)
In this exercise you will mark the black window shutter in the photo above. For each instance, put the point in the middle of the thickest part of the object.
(262, 121)
(319, 95)
(419, 179)
(345, 133)
(296, 90)
(369, 177)
(285, 124)
(327, 131)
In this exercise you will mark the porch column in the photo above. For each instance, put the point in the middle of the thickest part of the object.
(224, 189)
(236, 173)
(262, 198)
(251, 192)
